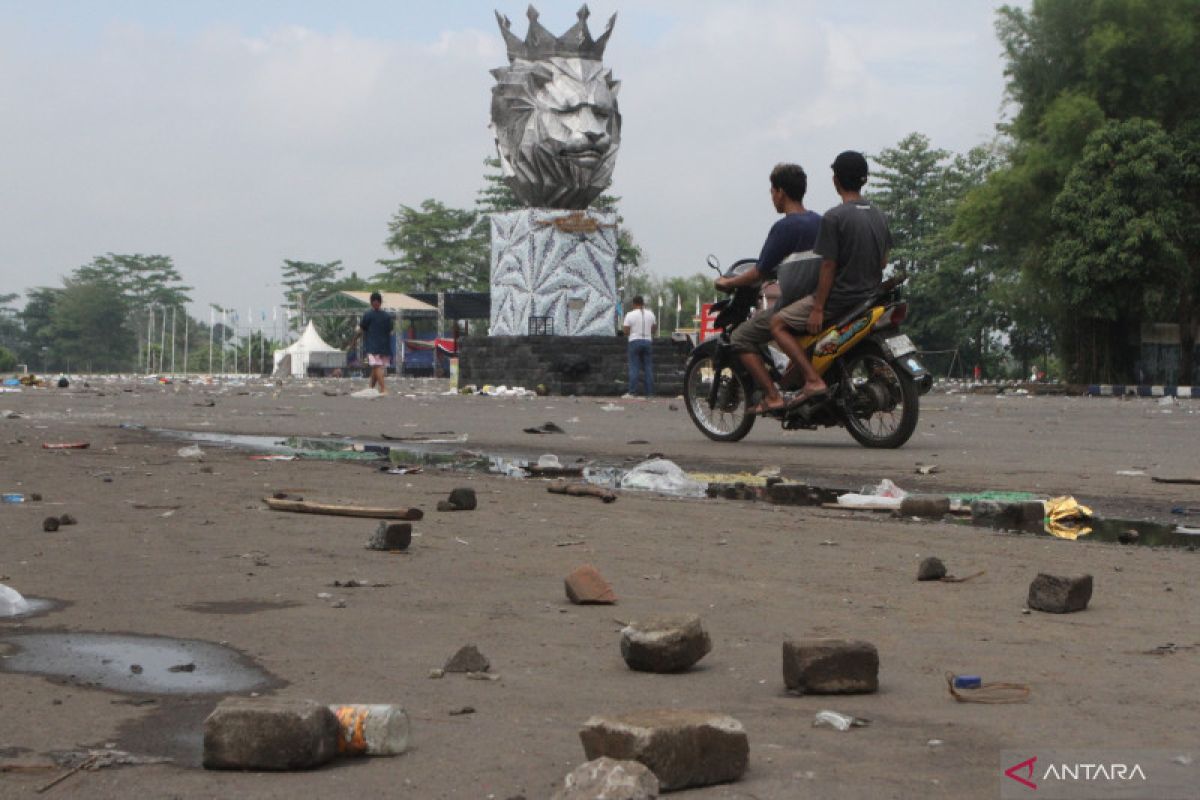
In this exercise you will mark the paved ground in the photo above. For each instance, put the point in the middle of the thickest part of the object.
(757, 574)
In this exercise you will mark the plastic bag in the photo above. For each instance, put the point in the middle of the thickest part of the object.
(12, 604)
(662, 476)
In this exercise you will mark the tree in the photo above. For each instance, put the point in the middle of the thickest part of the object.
(11, 332)
(144, 282)
(1072, 66)
(951, 288)
(88, 327)
(1120, 252)
(306, 281)
(436, 250)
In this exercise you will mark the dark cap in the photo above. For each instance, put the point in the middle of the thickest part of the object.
(376, 296)
(850, 167)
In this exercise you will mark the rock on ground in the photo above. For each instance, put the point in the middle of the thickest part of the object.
(468, 659)
(391, 536)
(269, 734)
(664, 643)
(586, 585)
(931, 569)
(1060, 594)
(682, 748)
(608, 779)
(830, 666)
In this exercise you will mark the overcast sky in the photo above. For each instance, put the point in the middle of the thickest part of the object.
(232, 134)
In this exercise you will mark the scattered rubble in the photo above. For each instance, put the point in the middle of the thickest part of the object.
(683, 749)
(665, 643)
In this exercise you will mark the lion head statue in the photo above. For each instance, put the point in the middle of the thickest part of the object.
(554, 111)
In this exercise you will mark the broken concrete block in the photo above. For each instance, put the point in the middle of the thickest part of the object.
(67, 519)
(930, 506)
(269, 734)
(830, 666)
(50, 524)
(468, 659)
(391, 536)
(1060, 594)
(608, 779)
(931, 569)
(664, 644)
(682, 748)
(586, 585)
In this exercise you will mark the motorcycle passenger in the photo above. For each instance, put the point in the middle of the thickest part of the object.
(796, 232)
(853, 244)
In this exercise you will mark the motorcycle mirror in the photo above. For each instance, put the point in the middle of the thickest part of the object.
(714, 263)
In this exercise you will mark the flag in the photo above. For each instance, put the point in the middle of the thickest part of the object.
(678, 303)
(697, 305)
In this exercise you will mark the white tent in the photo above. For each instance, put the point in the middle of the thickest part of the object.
(299, 353)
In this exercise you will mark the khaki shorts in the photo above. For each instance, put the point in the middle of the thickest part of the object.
(756, 331)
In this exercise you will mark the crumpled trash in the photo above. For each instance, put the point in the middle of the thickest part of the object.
(885, 494)
(549, 461)
(191, 451)
(1064, 518)
(663, 476)
(545, 427)
(838, 721)
(12, 604)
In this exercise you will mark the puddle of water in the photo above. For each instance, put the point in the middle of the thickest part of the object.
(135, 664)
(239, 606)
(1115, 531)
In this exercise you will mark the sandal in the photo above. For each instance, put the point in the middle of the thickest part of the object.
(760, 409)
(802, 397)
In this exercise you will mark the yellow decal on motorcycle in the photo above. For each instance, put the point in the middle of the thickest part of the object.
(839, 336)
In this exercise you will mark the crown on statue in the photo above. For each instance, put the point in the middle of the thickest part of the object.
(541, 44)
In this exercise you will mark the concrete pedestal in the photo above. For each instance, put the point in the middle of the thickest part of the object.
(554, 271)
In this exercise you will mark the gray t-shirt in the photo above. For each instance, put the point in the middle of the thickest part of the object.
(854, 234)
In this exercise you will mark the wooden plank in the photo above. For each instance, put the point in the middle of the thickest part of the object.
(340, 510)
(1175, 479)
(582, 490)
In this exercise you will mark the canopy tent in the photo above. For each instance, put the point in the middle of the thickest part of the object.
(310, 348)
(340, 303)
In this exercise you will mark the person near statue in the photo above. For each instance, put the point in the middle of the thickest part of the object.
(640, 326)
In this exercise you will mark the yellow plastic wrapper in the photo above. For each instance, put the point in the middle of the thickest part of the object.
(1064, 517)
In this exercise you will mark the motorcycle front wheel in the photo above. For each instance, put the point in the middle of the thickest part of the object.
(727, 420)
(879, 400)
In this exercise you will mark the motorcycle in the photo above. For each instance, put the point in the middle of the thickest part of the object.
(874, 376)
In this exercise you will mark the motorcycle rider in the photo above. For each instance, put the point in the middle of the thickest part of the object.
(853, 244)
(796, 232)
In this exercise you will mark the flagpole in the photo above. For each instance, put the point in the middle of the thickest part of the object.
(172, 340)
(224, 328)
(211, 326)
(185, 343)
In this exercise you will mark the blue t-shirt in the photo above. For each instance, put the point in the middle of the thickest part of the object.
(377, 332)
(795, 233)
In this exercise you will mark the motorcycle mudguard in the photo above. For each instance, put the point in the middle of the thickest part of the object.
(913, 367)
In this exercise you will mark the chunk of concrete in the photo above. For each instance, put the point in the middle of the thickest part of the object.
(931, 569)
(830, 666)
(930, 506)
(608, 779)
(682, 748)
(664, 643)
(468, 659)
(391, 536)
(585, 585)
(1060, 594)
(269, 734)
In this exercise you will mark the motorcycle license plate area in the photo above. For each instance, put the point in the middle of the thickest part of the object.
(900, 345)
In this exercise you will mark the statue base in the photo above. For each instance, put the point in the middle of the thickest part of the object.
(554, 272)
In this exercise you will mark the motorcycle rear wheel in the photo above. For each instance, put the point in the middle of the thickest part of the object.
(729, 419)
(880, 401)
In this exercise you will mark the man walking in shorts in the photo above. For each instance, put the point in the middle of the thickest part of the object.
(376, 331)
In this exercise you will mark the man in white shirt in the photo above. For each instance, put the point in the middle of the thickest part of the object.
(640, 327)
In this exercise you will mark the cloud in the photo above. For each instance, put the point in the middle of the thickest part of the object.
(232, 151)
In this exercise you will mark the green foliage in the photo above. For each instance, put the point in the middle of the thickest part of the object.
(955, 307)
(438, 248)
(306, 281)
(88, 327)
(8, 360)
(1075, 68)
